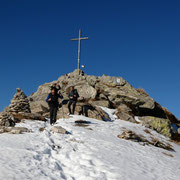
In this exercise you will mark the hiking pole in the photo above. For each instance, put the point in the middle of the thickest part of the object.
(62, 104)
(62, 109)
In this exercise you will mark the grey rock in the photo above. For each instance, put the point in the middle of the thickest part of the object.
(39, 107)
(92, 80)
(103, 103)
(124, 108)
(161, 125)
(41, 93)
(58, 129)
(14, 130)
(102, 97)
(111, 81)
(27, 116)
(122, 115)
(132, 136)
(86, 91)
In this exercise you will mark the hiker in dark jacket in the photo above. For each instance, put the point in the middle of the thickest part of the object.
(56, 87)
(53, 103)
(73, 97)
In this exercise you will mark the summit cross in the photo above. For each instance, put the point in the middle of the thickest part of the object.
(79, 47)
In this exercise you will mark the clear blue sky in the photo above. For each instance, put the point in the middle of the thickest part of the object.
(136, 39)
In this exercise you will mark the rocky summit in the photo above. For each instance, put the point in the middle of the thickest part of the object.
(109, 92)
(96, 93)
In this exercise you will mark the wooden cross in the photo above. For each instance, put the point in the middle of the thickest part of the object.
(79, 47)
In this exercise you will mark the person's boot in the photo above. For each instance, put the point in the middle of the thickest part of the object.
(51, 122)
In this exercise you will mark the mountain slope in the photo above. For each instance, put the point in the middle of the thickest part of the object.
(91, 152)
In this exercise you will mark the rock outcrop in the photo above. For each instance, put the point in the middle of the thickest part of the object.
(94, 112)
(105, 91)
(162, 126)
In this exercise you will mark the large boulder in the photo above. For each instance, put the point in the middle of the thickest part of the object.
(86, 91)
(19, 103)
(42, 92)
(161, 125)
(111, 81)
(125, 116)
(39, 107)
(125, 113)
(37, 100)
(94, 112)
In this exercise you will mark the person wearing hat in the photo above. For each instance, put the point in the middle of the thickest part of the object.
(53, 103)
(73, 97)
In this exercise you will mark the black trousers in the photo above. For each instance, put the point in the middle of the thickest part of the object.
(84, 110)
(72, 102)
(53, 114)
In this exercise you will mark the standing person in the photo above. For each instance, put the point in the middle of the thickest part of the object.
(53, 103)
(56, 87)
(73, 97)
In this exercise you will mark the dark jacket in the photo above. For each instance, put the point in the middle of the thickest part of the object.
(54, 100)
(73, 95)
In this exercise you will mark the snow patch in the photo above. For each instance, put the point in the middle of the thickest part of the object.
(88, 153)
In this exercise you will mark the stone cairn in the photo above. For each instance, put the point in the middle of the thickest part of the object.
(6, 119)
(19, 103)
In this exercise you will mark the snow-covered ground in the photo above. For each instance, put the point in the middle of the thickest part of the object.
(88, 153)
